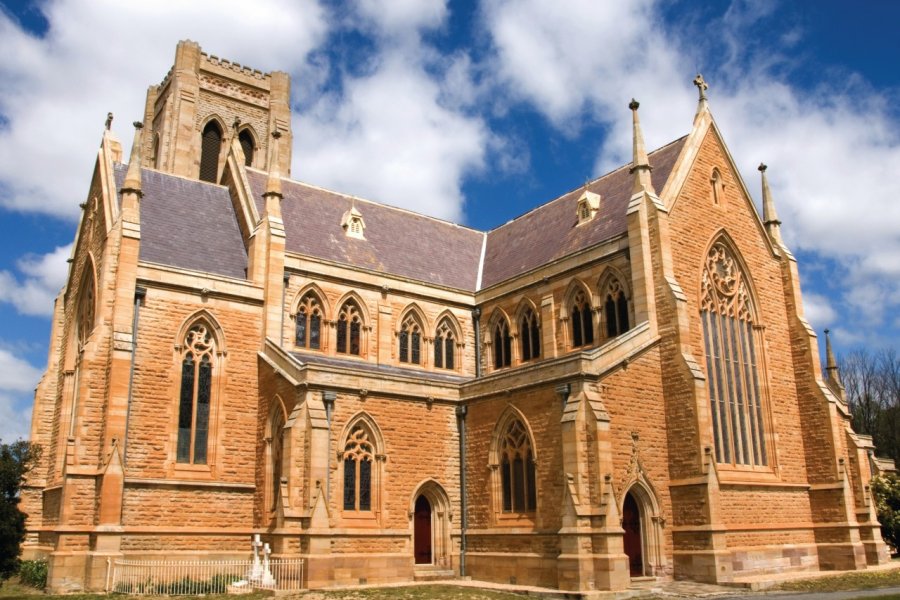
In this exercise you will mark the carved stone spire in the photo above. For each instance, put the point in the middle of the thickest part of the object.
(273, 183)
(770, 217)
(831, 369)
(132, 183)
(640, 166)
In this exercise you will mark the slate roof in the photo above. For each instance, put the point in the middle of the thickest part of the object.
(548, 232)
(397, 241)
(318, 359)
(192, 225)
(188, 224)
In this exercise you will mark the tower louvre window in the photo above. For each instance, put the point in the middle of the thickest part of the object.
(246, 141)
(210, 147)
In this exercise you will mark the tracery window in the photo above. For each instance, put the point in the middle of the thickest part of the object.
(246, 141)
(349, 327)
(517, 473)
(194, 399)
(615, 309)
(411, 341)
(502, 344)
(308, 333)
(582, 324)
(529, 335)
(726, 312)
(444, 346)
(358, 458)
(86, 308)
(210, 146)
(277, 454)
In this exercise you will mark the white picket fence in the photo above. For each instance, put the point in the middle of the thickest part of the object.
(182, 578)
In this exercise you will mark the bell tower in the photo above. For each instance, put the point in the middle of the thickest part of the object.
(206, 102)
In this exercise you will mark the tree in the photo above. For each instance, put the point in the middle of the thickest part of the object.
(872, 388)
(16, 460)
(886, 490)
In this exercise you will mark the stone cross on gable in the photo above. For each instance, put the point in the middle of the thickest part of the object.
(701, 85)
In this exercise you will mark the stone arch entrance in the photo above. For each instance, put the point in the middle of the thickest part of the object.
(429, 513)
(633, 539)
(642, 525)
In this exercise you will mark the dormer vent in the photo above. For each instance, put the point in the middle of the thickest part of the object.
(353, 224)
(588, 205)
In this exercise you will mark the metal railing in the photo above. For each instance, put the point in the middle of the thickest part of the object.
(189, 577)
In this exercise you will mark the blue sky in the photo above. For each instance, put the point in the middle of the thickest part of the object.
(475, 112)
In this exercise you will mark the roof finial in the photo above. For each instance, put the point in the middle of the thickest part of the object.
(132, 181)
(109, 119)
(273, 183)
(702, 86)
(770, 217)
(831, 368)
(640, 165)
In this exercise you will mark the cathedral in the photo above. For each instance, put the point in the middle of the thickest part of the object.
(617, 384)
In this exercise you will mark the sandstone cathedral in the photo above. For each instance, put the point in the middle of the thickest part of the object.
(619, 383)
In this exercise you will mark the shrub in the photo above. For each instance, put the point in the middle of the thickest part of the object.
(886, 491)
(33, 573)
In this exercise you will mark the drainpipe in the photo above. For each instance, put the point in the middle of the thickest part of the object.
(139, 295)
(476, 318)
(464, 522)
(285, 281)
(328, 399)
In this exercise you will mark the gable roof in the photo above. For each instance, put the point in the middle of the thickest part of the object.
(397, 241)
(549, 231)
(188, 224)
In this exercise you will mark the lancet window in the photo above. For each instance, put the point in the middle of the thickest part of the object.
(210, 146)
(732, 354)
(308, 333)
(615, 308)
(502, 344)
(582, 324)
(529, 335)
(246, 141)
(349, 328)
(277, 454)
(411, 341)
(444, 346)
(197, 364)
(517, 473)
(358, 456)
(86, 308)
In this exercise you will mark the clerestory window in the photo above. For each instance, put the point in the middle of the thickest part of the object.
(411, 341)
(349, 329)
(529, 335)
(444, 346)
(580, 317)
(615, 308)
(308, 332)
(502, 344)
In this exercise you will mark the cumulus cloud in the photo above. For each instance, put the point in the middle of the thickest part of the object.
(17, 379)
(44, 276)
(818, 310)
(100, 56)
(833, 152)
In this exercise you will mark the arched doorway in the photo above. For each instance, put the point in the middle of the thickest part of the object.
(422, 538)
(633, 539)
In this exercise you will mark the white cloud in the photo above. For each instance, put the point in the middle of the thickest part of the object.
(15, 418)
(100, 56)
(818, 310)
(16, 375)
(18, 379)
(44, 277)
(400, 18)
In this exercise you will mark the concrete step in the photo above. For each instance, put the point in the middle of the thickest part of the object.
(433, 574)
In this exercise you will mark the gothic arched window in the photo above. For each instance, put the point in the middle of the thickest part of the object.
(308, 333)
(582, 324)
(358, 457)
(517, 473)
(349, 328)
(444, 346)
(502, 344)
(197, 364)
(86, 308)
(726, 313)
(411, 341)
(529, 335)
(210, 146)
(277, 454)
(615, 308)
(246, 141)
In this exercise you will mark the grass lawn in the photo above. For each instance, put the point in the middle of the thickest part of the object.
(846, 582)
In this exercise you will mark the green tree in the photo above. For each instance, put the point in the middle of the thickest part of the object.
(886, 490)
(16, 460)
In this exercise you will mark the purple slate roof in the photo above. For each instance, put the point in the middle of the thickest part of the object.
(318, 359)
(188, 224)
(397, 241)
(549, 232)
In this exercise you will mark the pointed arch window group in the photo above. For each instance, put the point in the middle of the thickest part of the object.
(518, 488)
(411, 340)
(529, 335)
(732, 361)
(349, 328)
(308, 328)
(444, 346)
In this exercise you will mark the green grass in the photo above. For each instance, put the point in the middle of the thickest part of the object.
(846, 582)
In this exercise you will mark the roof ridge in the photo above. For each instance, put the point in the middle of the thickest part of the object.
(582, 186)
(367, 201)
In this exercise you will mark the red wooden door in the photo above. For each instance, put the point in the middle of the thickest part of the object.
(422, 531)
(631, 523)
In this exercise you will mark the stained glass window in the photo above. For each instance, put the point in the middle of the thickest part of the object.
(195, 396)
(308, 322)
(517, 472)
(582, 324)
(411, 341)
(358, 457)
(443, 346)
(348, 328)
(615, 308)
